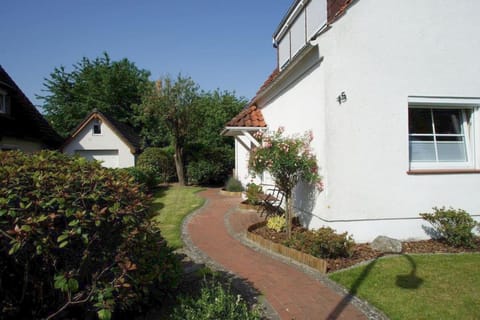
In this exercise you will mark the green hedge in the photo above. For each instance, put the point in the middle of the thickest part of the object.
(74, 237)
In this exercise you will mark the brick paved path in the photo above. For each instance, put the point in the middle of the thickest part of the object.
(292, 293)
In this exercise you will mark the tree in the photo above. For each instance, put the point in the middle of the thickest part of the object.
(210, 155)
(109, 86)
(288, 160)
(170, 104)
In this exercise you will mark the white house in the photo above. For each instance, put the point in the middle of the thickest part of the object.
(22, 127)
(102, 138)
(391, 91)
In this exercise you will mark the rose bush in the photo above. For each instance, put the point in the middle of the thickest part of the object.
(289, 160)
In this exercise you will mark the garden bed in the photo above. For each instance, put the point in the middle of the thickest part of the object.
(245, 205)
(362, 251)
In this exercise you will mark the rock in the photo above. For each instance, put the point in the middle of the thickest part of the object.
(386, 244)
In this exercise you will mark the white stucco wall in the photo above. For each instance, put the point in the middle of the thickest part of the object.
(24, 145)
(379, 54)
(108, 140)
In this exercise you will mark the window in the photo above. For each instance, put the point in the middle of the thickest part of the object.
(441, 136)
(97, 128)
(4, 102)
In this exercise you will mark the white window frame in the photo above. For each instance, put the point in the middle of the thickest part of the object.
(468, 126)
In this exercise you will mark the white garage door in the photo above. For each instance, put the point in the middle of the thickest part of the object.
(109, 158)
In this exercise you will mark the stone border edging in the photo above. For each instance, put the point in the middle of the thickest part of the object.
(199, 257)
(301, 257)
(230, 193)
(366, 308)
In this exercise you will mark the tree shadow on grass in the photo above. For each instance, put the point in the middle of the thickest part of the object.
(405, 281)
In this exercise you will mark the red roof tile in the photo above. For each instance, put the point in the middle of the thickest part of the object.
(250, 117)
(336, 8)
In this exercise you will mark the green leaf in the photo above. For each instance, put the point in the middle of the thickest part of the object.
(14, 248)
(62, 237)
(26, 228)
(104, 314)
(72, 285)
(73, 223)
(63, 244)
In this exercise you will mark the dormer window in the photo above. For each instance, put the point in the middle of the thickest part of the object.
(298, 27)
(97, 127)
(4, 102)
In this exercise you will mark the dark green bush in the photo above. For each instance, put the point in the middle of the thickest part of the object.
(143, 177)
(158, 163)
(204, 172)
(454, 226)
(207, 165)
(322, 243)
(75, 236)
(214, 302)
(253, 193)
(233, 185)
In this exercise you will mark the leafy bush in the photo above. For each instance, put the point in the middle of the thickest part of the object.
(76, 236)
(323, 243)
(208, 165)
(143, 177)
(454, 226)
(233, 185)
(277, 223)
(214, 302)
(253, 193)
(203, 172)
(158, 163)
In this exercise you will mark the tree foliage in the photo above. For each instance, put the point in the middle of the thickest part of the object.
(169, 104)
(109, 86)
(176, 112)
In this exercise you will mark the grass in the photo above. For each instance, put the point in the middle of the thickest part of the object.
(419, 286)
(171, 205)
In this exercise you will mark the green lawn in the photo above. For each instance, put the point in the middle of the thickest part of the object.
(171, 205)
(419, 286)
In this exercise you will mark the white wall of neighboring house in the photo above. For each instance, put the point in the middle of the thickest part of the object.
(20, 144)
(379, 53)
(107, 147)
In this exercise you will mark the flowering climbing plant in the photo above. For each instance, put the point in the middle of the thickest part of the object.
(289, 160)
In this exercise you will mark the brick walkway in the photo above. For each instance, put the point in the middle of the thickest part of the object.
(292, 293)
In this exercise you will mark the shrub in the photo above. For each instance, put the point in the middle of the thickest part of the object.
(253, 193)
(323, 243)
(143, 177)
(203, 172)
(454, 226)
(158, 163)
(207, 165)
(233, 185)
(277, 223)
(76, 235)
(214, 302)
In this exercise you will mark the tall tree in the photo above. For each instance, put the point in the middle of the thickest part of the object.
(109, 86)
(170, 104)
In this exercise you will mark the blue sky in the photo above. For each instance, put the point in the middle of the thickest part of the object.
(221, 44)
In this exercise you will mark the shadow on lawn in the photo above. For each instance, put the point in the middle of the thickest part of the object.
(406, 281)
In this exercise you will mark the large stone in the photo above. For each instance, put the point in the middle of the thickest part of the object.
(387, 245)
